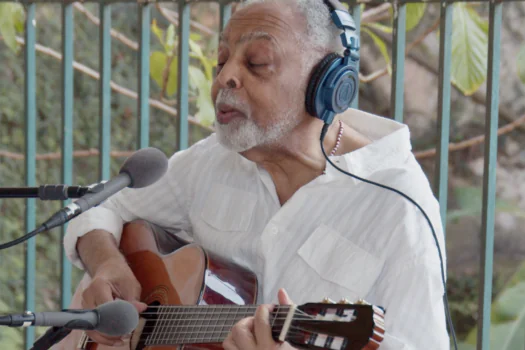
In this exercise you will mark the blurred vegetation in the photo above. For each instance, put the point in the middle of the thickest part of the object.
(468, 51)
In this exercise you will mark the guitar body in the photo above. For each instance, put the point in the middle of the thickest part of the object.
(173, 273)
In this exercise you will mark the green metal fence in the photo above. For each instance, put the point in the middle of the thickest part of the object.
(144, 10)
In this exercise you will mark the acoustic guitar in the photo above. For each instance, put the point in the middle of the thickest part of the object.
(195, 297)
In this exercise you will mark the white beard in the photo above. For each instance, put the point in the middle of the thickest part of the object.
(243, 134)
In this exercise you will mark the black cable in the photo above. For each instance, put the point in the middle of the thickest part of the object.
(445, 299)
(23, 238)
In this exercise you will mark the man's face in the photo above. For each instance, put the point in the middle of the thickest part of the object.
(259, 88)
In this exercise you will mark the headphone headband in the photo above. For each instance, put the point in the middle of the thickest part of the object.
(335, 80)
(344, 21)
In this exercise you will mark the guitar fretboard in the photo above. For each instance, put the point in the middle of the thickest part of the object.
(174, 325)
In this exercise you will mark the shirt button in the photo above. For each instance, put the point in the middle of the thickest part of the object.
(274, 230)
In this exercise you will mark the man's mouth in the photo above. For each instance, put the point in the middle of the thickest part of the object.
(226, 113)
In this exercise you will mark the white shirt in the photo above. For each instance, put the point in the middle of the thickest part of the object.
(336, 237)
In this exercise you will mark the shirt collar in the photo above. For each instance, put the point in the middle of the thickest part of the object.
(390, 144)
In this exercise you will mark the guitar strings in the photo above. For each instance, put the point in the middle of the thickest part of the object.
(205, 339)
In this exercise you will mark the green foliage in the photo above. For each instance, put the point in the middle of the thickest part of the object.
(415, 12)
(508, 316)
(470, 199)
(11, 22)
(10, 338)
(200, 71)
(521, 64)
(469, 49)
(158, 63)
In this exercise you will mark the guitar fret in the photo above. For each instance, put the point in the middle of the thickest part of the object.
(172, 324)
(206, 318)
(160, 324)
(191, 325)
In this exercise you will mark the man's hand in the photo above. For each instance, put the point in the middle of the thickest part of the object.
(255, 333)
(112, 280)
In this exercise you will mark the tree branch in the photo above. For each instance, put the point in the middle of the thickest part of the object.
(173, 17)
(453, 147)
(373, 76)
(383, 71)
(115, 34)
(114, 86)
(375, 13)
(472, 141)
(422, 37)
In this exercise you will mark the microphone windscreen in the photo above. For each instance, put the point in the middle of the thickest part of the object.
(117, 318)
(145, 167)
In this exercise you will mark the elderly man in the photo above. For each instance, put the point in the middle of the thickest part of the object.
(260, 192)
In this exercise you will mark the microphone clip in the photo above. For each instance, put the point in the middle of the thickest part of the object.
(63, 192)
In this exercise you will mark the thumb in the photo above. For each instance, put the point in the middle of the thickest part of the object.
(284, 299)
(141, 307)
(133, 296)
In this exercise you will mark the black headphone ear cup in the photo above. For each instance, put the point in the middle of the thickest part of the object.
(316, 77)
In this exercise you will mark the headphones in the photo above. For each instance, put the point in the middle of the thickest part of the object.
(334, 81)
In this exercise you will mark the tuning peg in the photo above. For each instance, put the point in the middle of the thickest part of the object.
(361, 302)
(344, 301)
(328, 301)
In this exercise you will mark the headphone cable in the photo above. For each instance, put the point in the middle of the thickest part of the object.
(445, 298)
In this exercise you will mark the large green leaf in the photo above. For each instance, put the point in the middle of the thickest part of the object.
(159, 33)
(381, 46)
(206, 113)
(521, 64)
(158, 62)
(415, 11)
(207, 62)
(469, 49)
(11, 22)
(170, 39)
(508, 316)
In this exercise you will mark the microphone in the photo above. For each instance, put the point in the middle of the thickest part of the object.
(50, 192)
(141, 169)
(115, 318)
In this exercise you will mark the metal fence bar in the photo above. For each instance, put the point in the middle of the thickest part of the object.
(398, 60)
(445, 55)
(105, 91)
(489, 175)
(68, 29)
(144, 88)
(30, 162)
(356, 14)
(183, 76)
(226, 12)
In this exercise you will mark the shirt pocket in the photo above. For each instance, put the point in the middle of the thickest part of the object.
(228, 209)
(338, 260)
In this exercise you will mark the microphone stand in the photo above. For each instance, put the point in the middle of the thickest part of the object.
(52, 336)
(50, 192)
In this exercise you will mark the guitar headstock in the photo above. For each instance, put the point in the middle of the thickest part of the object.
(329, 325)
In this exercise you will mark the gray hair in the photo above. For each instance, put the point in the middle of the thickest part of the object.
(321, 33)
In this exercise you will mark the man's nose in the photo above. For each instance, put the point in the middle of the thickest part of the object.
(229, 77)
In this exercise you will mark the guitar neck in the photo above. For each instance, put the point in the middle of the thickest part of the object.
(170, 325)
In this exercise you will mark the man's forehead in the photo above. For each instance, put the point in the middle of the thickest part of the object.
(248, 36)
(260, 21)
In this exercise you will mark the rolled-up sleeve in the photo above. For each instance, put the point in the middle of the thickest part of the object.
(159, 203)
